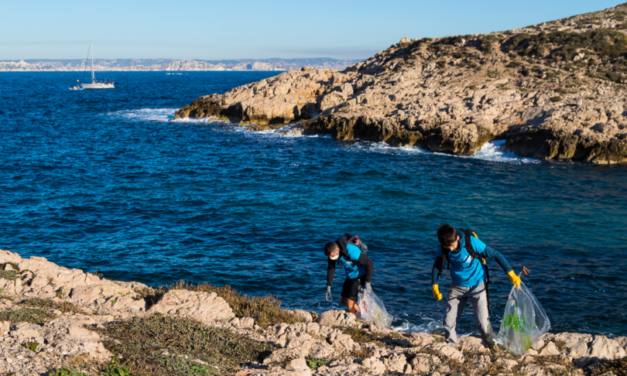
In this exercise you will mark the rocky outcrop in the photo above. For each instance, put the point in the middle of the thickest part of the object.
(552, 91)
(76, 306)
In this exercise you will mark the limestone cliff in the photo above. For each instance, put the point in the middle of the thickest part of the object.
(553, 91)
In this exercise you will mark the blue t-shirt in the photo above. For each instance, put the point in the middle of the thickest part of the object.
(352, 268)
(466, 271)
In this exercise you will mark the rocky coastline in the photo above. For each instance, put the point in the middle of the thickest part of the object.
(60, 321)
(553, 91)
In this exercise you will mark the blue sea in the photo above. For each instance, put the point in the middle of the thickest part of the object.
(106, 181)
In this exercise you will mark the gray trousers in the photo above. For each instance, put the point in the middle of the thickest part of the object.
(455, 304)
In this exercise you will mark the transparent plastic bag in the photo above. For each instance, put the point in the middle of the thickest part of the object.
(372, 309)
(524, 321)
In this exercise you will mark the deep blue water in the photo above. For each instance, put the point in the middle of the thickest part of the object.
(104, 181)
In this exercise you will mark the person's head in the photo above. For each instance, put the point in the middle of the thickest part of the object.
(332, 250)
(448, 237)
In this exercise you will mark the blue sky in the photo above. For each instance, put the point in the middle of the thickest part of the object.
(238, 29)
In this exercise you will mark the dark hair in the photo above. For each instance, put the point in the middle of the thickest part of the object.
(329, 248)
(447, 235)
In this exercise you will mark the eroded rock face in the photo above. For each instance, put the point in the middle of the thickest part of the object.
(337, 318)
(452, 95)
(204, 307)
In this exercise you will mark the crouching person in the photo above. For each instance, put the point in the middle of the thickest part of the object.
(350, 253)
(466, 256)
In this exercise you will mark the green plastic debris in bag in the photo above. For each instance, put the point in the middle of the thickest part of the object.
(372, 310)
(524, 321)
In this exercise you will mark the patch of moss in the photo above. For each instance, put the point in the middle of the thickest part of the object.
(31, 315)
(160, 345)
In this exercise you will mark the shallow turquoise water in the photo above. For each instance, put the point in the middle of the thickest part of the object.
(104, 181)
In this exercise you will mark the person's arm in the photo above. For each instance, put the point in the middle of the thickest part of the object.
(369, 264)
(490, 254)
(330, 272)
(435, 274)
(437, 270)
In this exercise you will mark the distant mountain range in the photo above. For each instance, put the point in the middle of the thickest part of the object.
(46, 65)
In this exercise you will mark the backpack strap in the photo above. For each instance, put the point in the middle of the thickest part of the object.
(471, 251)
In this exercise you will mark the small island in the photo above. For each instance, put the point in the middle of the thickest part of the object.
(552, 91)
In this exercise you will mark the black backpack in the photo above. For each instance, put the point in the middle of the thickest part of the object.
(354, 240)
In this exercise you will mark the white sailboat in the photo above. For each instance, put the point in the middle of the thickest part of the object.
(95, 84)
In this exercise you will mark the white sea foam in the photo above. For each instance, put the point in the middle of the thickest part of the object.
(161, 115)
(146, 114)
(495, 152)
(429, 325)
(491, 151)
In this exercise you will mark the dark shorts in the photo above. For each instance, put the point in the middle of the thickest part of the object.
(350, 289)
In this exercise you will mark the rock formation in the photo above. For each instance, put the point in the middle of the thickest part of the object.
(55, 316)
(553, 91)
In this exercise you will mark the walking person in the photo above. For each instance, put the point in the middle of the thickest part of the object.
(467, 259)
(350, 253)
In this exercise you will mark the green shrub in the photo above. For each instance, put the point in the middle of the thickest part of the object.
(30, 315)
(140, 343)
(493, 73)
(65, 307)
(314, 363)
(115, 369)
(66, 372)
(556, 99)
(32, 346)
(514, 64)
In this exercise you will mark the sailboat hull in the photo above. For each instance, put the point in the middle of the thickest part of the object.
(98, 85)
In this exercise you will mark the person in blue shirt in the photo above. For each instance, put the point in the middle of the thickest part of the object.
(350, 254)
(469, 280)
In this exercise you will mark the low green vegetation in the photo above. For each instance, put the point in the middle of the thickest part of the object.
(30, 315)
(115, 369)
(265, 310)
(363, 336)
(66, 372)
(160, 345)
(65, 307)
(617, 367)
(32, 346)
(556, 99)
(10, 275)
(314, 363)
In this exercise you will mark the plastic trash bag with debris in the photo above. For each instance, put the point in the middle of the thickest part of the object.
(372, 309)
(524, 321)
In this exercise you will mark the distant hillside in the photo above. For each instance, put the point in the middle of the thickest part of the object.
(175, 65)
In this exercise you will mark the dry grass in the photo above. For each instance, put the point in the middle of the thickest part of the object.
(265, 310)
(65, 307)
(31, 315)
(618, 367)
(160, 345)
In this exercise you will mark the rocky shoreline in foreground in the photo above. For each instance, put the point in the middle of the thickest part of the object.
(55, 321)
(552, 91)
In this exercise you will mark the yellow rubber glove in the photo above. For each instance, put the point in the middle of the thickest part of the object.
(436, 292)
(514, 279)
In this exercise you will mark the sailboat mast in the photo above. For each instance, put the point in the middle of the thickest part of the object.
(93, 77)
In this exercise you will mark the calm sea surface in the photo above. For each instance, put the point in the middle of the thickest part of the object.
(105, 181)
